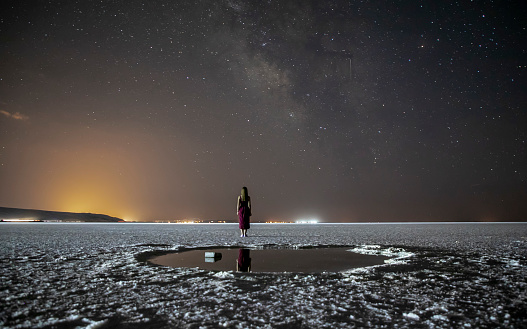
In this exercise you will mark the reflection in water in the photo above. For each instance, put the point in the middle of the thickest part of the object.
(270, 260)
(243, 264)
(212, 257)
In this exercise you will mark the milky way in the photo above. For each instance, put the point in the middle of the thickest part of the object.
(339, 110)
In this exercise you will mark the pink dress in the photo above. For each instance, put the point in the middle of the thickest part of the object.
(244, 214)
(244, 260)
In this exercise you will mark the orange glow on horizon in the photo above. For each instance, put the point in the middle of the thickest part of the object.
(91, 179)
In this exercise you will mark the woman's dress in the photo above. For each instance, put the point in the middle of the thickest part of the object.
(244, 260)
(244, 214)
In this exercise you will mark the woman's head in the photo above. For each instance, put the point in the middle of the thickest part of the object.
(245, 194)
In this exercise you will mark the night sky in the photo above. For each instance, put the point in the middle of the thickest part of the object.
(336, 110)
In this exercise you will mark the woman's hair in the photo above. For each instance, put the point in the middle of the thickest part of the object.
(245, 194)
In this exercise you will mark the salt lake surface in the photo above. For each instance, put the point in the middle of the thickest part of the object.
(56, 275)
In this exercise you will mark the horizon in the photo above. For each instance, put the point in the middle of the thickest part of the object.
(301, 221)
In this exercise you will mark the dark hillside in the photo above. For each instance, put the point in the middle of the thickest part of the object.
(15, 213)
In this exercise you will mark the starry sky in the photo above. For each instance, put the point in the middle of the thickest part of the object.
(342, 111)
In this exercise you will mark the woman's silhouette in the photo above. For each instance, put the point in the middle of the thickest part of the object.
(243, 210)
(243, 264)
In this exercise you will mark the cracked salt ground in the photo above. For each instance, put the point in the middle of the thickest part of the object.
(96, 276)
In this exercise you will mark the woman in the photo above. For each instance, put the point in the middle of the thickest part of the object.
(243, 210)
(243, 264)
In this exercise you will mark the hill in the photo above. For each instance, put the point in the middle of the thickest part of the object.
(55, 216)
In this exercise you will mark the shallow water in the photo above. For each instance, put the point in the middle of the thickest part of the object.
(313, 260)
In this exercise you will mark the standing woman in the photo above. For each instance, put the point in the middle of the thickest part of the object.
(243, 210)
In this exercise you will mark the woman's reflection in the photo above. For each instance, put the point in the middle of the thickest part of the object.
(243, 264)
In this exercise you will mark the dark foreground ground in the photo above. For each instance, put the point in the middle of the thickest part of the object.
(97, 276)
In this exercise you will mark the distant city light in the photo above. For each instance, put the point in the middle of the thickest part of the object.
(307, 221)
(21, 220)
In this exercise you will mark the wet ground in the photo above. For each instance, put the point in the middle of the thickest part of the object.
(98, 276)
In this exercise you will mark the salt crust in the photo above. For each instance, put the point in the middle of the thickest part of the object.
(89, 276)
